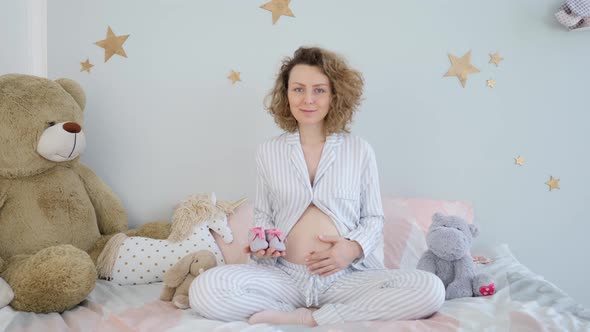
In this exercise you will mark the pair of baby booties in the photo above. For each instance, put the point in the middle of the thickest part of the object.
(261, 239)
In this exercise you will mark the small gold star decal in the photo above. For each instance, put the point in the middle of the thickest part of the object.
(234, 76)
(496, 58)
(519, 161)
(278, 8)
(553, 183)
(86, 66)
(491, 83)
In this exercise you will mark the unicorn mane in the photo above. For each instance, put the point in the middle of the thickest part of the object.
(196, 210)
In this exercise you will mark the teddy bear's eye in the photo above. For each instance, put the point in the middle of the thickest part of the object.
(51, 123)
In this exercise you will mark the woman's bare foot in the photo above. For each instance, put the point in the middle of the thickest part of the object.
(301, 316)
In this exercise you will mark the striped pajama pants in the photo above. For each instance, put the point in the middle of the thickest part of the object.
(236, 292)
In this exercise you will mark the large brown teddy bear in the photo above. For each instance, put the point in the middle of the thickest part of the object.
(55, 213)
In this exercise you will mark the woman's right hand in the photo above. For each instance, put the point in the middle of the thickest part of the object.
(265, 253)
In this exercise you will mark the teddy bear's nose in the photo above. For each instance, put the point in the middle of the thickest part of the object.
(72, 127)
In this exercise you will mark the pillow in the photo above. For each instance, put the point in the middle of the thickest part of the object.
(406, 223)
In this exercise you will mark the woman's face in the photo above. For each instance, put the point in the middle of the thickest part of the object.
(309, 95)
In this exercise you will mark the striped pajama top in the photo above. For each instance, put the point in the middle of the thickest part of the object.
(346, 188)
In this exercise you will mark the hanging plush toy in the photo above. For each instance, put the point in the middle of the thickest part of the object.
(574, 14)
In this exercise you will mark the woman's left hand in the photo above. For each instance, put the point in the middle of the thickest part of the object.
(342, 253)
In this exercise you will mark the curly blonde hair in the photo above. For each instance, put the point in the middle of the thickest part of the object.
(346, 85)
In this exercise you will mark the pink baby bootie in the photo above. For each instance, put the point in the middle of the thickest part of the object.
(275, 238)
(257, 239)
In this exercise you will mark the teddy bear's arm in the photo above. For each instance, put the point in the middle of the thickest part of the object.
(110, 213)
(464, 268)
(461, 285)
(3, 195)
(427, 262)
(3, 192)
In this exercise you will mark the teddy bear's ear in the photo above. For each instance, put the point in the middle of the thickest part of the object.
(176, 275)
(474, 230)
(74, 89)
(437, 217)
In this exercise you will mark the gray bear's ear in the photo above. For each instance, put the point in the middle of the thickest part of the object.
(437, 217)
(474, 230)
(74, 89)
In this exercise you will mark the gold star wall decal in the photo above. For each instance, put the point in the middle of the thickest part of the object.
(461, 67)
(86, 66)
(496, 58)
(519, 161)
(234, 76)
(553, 183)
(278, 8)
(491, 83)
(112, 45)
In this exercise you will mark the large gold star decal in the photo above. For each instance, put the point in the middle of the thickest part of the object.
(112, 45)
(461, 67)
(495, 58)
(278, 8)
(86, 66)
(234, 76)
(553, 183)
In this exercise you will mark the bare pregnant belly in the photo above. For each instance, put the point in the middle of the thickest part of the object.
(303, 237)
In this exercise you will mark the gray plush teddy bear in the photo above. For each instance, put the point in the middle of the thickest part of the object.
(448, 256)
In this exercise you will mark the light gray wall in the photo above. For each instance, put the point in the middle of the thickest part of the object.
(165, 122)
(14, 42)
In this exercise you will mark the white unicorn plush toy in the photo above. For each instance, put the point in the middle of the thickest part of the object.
(138, 260)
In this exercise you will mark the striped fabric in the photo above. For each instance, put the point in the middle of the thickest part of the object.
(235, 292)
(346, 188)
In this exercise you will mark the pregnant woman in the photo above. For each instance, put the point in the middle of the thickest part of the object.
(318, 185)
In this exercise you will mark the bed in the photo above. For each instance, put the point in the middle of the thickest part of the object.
(524, 300)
